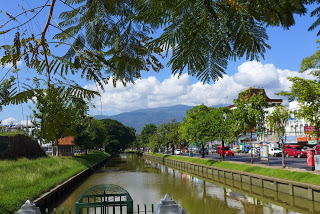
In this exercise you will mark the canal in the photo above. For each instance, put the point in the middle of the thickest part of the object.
(148, 182)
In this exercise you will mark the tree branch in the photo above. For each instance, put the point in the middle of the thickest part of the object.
(24, 13)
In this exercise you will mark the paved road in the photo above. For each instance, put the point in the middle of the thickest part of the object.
(273, 161)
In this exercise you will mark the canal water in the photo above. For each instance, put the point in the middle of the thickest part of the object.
(148, 182)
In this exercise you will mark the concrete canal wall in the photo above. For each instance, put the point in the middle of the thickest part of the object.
(290, 188)
(52, 198)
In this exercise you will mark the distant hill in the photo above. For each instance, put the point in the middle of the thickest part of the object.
(139, 118)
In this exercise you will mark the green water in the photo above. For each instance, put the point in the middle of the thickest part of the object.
(148, 182)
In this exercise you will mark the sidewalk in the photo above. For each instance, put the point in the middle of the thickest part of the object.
(271, 167)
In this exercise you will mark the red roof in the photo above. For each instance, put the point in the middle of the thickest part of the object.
(256, 91)
(67, 141)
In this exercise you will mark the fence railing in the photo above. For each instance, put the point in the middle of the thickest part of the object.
(140, 210)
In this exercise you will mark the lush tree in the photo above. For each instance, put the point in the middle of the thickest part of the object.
(56, 115)
(117, 136)
(92, 134)
(197, 125)
(133, 133)
(157, 139)
(172, 134)
(222, 122)
(277, 122)
(249, 113)
(147, 131)
(307, 93)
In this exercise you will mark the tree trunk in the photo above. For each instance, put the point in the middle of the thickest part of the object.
(57, 142)
(172, 147)
(283, 154)
(202, 150)
(251, 148)
(222, 145)
(167, 149)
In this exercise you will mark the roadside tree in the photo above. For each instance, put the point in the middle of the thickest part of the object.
(249, 113)
(147, 131)
(277, 122)
(222, 125)
(172, 134)
(197, 125)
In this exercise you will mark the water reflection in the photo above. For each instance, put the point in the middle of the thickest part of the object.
(148, 182)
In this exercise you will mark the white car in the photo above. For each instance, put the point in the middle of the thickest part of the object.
(177, 152)
(275, 152)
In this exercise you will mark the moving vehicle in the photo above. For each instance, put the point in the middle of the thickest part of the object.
(227, 151)
(177, 152)
(295, 151)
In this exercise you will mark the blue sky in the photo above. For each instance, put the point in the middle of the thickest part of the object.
(288, 48)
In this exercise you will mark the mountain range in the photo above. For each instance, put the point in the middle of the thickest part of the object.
(139, 118)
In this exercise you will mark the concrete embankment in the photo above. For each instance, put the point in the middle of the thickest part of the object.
(52, 198)
(290, 188)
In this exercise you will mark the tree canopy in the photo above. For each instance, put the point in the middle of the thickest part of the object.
(249, 113)
(197, 125)
(277, 122)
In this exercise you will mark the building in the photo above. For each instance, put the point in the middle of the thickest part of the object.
(66, 146)
(255, 91)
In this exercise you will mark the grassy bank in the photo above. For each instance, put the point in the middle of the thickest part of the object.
(304, 177)
(27, 179)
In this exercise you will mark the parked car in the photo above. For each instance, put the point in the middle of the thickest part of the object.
(185, 150)
(206, 151)
(295, 151)
(236, 150)
(177, 152)
(275, 152)
(227, 151)
(213, 150)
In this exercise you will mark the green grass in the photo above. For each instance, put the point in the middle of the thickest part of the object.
(304, 177)
(27, 179)
(19, 131)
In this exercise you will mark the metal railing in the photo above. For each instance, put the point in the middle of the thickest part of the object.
(140, 210)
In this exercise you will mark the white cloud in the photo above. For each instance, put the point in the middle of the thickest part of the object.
(9, 121)
(150, 93)
(9, 65)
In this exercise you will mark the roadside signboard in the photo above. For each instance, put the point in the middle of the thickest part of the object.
(264, 152)
(291, 139)
(302, 138)
(241, 146)
(312, 142)
(309, 129)
(272, 138)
